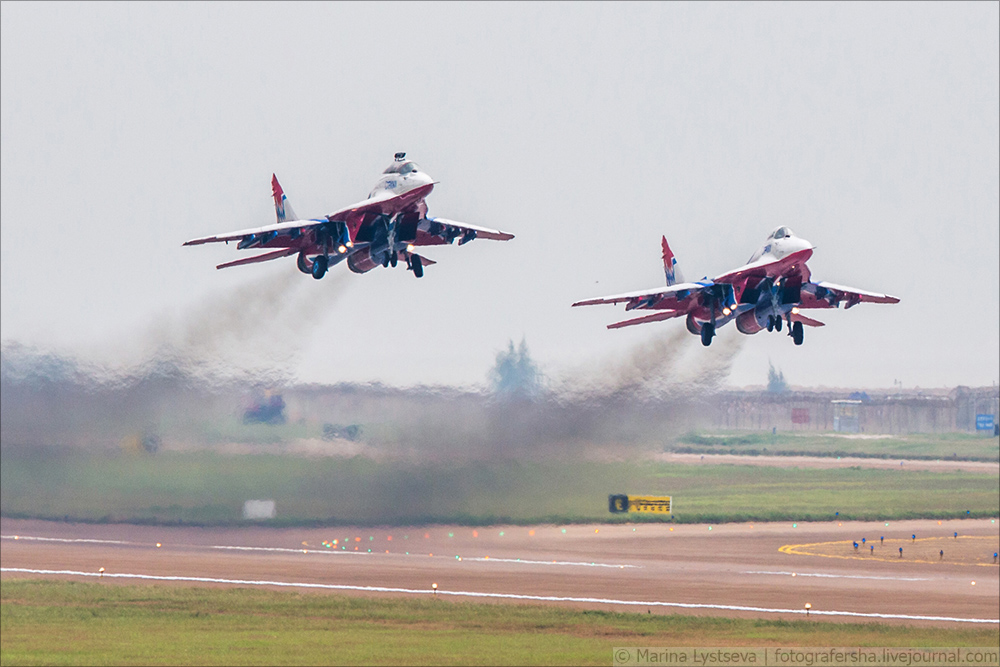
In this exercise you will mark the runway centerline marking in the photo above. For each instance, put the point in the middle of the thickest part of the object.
(835, 576)
(507, 596)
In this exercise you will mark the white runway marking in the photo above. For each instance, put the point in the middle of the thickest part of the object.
(60, 539)
(310, 550)
(835, 576)
(317, 550)
(551, 562)
(505, 596)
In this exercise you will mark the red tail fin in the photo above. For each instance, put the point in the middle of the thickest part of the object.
(670, 268)
(281, 206)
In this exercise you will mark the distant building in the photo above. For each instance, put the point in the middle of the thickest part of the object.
(845, 415)
(896, 413)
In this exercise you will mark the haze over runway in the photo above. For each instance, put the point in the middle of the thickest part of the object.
(587, 130)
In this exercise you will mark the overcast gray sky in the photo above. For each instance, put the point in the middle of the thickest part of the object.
(588, 130)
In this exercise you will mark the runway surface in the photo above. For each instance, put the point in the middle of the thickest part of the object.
(756, 570)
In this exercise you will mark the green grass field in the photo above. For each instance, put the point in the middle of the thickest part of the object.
(960, 446)
(209, 489)
(71, 623)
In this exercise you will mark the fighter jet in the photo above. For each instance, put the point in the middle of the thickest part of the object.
(773, 287)
(378, 231)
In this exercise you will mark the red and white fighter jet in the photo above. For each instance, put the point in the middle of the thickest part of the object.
(773, 286)
(378, 231)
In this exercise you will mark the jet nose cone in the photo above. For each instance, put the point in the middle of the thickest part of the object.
(421, 177)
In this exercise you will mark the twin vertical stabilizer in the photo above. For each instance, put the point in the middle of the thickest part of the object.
(281, 206)
(670, 268)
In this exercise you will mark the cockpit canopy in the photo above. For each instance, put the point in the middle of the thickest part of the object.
(402, 168)
(780, 233)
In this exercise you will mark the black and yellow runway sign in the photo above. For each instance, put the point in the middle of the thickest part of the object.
(621, 503)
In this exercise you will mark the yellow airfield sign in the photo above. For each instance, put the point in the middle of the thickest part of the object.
(620, 503)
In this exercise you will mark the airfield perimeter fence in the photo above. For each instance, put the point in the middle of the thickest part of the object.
(889, 414)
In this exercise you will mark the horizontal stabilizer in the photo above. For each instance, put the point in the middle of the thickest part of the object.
(808, 321)
(655, 317)
(284, 252)
(423, 260)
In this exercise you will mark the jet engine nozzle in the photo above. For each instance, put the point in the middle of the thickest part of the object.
(748, 322)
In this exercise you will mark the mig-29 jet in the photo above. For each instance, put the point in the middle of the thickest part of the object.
(774, 286)
(378, 231)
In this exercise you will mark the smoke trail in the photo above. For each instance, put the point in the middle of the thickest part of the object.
(665, 364)
(195, 365)
(252, 332)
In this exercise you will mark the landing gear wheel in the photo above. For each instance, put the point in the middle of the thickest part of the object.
(707, 331)
(777, 323)
(319, 266)
(797, 333)
(770, 323)
(385, 261)
(305, 266)
(417, 265)
(393, 258)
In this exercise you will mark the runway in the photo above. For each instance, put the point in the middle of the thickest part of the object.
(747, 570)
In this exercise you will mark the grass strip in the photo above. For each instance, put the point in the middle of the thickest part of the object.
(208, 489)
(76, 623)
(918, 446)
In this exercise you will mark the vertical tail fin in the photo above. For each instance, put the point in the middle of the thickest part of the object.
(281, 206)
(670, 268)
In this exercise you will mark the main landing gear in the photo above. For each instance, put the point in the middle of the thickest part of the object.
(416, 265)
(794, 328)
(319, 266)
(316, 268)
(796, 333)
(707, 332)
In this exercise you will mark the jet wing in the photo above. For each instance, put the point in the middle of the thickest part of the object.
(481, 232)
(680, 291)
(830, 295)
(383, 202)
(257, 231)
